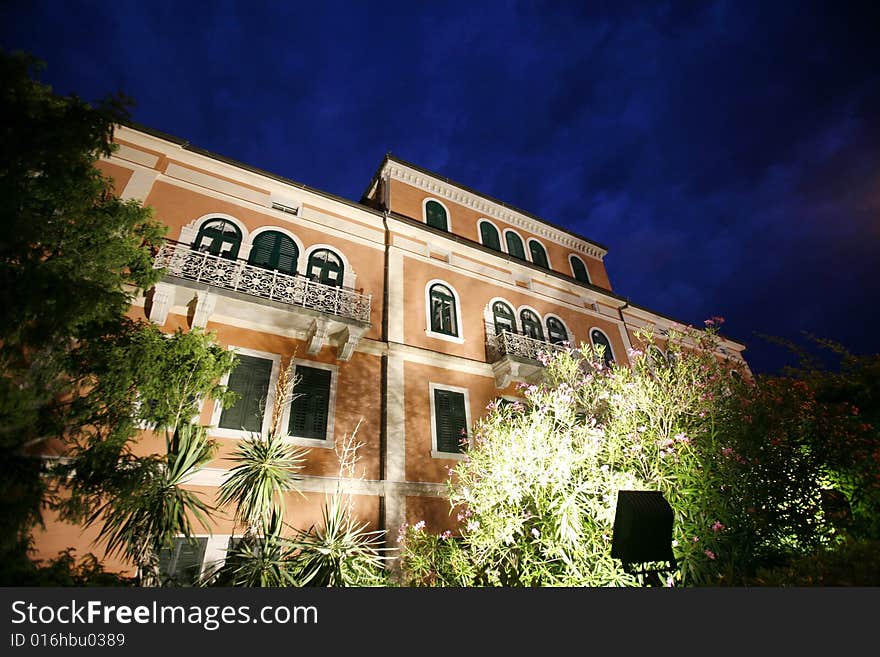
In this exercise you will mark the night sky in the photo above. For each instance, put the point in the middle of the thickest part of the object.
(726, 153)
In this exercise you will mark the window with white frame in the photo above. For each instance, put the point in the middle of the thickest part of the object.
(556, 332)
(539, 254)
(196, 560)
(181, 564)
(602, 343)
(442, 310)
(274, 250)
(254, 379)
(436, 215)
(531, 324)
(503, 318)
(251, 380)
(578, 269)
(450, 418)
(325, 266)
(310, 414)
(219, 237)
(489, 235)
(514, 245)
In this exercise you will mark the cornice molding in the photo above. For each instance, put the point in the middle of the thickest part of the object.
(482, 205)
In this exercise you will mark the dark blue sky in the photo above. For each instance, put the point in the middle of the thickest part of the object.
(727, 153)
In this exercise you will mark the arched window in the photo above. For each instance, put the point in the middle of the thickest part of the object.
(489, 236)
(515, 245)
(600, 342)
(556, 332)
(325, 267)
(274, 250)
(443, 315)
(579, 269)
(539, 255)
(435, 215)
(219, 237)
(531, 324)
(504, 318)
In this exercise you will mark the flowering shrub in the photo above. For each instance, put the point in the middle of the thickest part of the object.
(536, 498)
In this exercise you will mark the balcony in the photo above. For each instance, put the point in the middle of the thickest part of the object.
(322, 311)
(514, 357)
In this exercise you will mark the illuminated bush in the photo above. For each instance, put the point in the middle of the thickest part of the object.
(536, 497)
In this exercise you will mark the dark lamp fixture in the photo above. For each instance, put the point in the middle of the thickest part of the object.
(642, 529)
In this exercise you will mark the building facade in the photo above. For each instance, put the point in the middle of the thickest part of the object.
(405, 313)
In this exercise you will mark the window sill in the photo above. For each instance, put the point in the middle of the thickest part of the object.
(454, 456)
(322, 443)
(219, 432)
(443, 336)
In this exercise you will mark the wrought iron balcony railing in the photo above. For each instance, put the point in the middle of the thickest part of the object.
(183, 261)
(523, 346)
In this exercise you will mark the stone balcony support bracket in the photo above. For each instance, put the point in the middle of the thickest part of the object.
(348, 340)
(317, 335)
(160, 303)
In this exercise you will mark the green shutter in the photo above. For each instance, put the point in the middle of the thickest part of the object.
(436, 215)
(261, 250)
(250, 379)
(451, 419)
(273, 250)
(287, 255)
(579, 270)
(311, 405)
(539, 255)
(489, 235)
(515, 246)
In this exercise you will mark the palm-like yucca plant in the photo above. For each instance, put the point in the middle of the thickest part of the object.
(265, 560)
(341, 552)
(266, 469)
(149, 506)
(257, 485)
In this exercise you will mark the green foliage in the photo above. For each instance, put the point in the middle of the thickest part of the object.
(341, 552)
(853, 563)
(257, 485)
(135, 377)
(267, 559)
(71, 258)
(148, 506)
(63, 570)
(743, 464)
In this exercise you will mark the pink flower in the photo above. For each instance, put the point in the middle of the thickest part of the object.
(419, 526)
(717, 526)
(535, 532)
(446, 534)
(710, 554)
(680, 437)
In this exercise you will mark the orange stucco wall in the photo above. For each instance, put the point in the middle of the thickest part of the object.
(118, 174)
(408, 201)
(474, 296)
(420, 464)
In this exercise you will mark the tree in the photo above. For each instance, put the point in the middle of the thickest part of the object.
(71, 259)
(143, 378)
